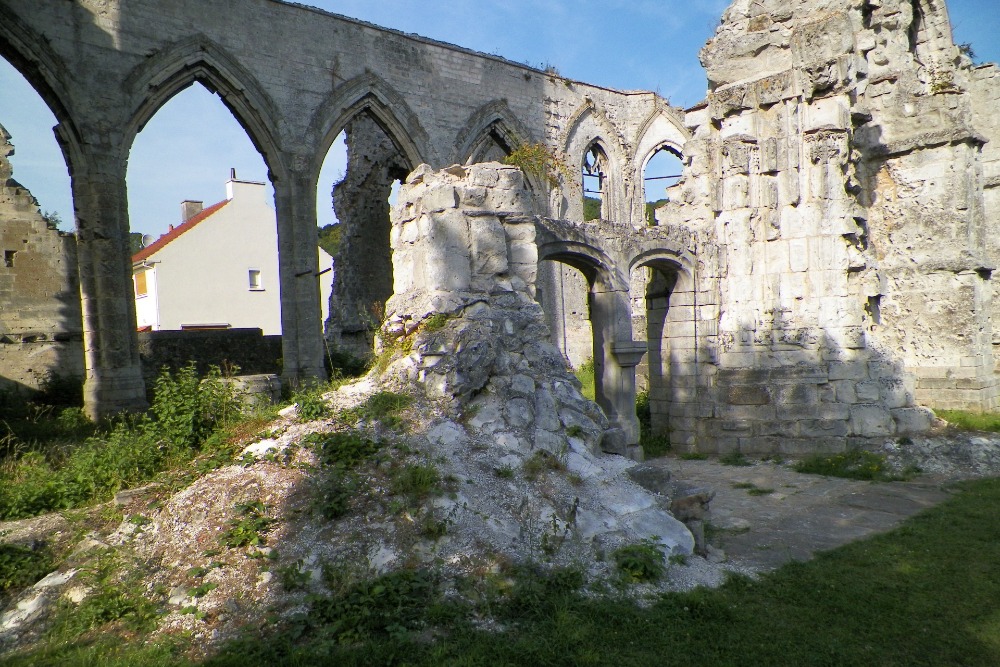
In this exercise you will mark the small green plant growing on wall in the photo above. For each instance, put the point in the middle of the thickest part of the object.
(540, 162)
(640, 562)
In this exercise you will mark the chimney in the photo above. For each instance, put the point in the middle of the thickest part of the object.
(189, 209)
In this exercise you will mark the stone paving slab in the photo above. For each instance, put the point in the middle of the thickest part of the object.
(803, 515)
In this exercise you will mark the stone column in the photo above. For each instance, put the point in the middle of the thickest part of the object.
(111, 346)
(298, 268)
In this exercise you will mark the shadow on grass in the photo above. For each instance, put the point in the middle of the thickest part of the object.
(925, 594)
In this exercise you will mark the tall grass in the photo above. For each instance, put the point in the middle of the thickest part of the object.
(187, 415)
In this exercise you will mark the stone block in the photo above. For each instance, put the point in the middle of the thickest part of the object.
(818, 428)
(912, 420)
(848, 370)
(747, 395)
(871, 420)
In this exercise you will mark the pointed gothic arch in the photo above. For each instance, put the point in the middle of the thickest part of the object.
(198, 60)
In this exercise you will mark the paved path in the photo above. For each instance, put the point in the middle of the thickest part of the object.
(803, 514)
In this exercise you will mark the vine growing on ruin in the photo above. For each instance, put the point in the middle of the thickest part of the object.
(540, 161)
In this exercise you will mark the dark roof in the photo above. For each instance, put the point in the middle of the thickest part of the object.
(161, 242)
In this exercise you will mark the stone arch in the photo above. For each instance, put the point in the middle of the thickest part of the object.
(495, 122)
(153, 83)
(613, 351)
(368, 93)
(585, 127)
(32, 56)
(666, 319)
(661, 130)
(385, 142)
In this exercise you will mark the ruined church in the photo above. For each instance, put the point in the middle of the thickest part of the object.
(821, 273)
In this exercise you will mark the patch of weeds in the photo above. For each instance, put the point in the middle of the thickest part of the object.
(540, 463)
(416, 481)
(312, 405)
(856, 464)
(111, 600)
(203, 589)
(735, 459)
(640, 562)
(334, 493)
(435, 322)
(344, 449)
(21, 566)
(678, 559)
(383, 406)
(574, 431)
(434, 528)
(585, 374)
(293, 577)
(654, 445)
(390, 606)
(693, 456)
(249, 529)
(504, 472)
(752, 489)
(193, 610)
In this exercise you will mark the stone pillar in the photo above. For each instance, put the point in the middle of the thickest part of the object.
(298, 268)
(111, 346)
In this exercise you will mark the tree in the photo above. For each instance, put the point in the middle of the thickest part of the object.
(329, 238)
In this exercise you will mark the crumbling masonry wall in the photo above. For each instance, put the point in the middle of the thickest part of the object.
(843, 172)
(40, 320)
(364, 266)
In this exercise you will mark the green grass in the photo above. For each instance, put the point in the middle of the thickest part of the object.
(856, 464)
(78, 463)
(585, 374)
(974, 421)
(654, 445)
(924, 594)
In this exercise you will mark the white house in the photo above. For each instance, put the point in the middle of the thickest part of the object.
(218, 269)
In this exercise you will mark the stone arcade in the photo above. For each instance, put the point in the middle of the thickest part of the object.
(822, 269)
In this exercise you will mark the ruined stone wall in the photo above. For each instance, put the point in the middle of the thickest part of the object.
(836, 167)
(364, 264)
(40, 320)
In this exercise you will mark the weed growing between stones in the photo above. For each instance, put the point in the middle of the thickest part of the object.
(653, 445)
(540, 463)
(735, 459)
(249, 529)
(585, 374)
(752, 489)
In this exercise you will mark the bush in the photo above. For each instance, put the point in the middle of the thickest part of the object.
(640, 562)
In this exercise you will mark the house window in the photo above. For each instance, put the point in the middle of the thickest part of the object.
(8, 258)
(140, 284)
(255, 283)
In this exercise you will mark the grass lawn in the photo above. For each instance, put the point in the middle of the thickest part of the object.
(927, 593)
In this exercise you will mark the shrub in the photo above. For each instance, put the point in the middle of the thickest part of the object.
(22, 566)
(640, 562)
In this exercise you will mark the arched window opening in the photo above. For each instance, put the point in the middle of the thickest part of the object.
(214, 263)
(653, 319)
(661, 172)
(35, 155)
(373, 171)
(914, 33)
(562, 293)
(595, 170)
(40, 312)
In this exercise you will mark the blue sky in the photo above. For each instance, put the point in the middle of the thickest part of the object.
(625, 44)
